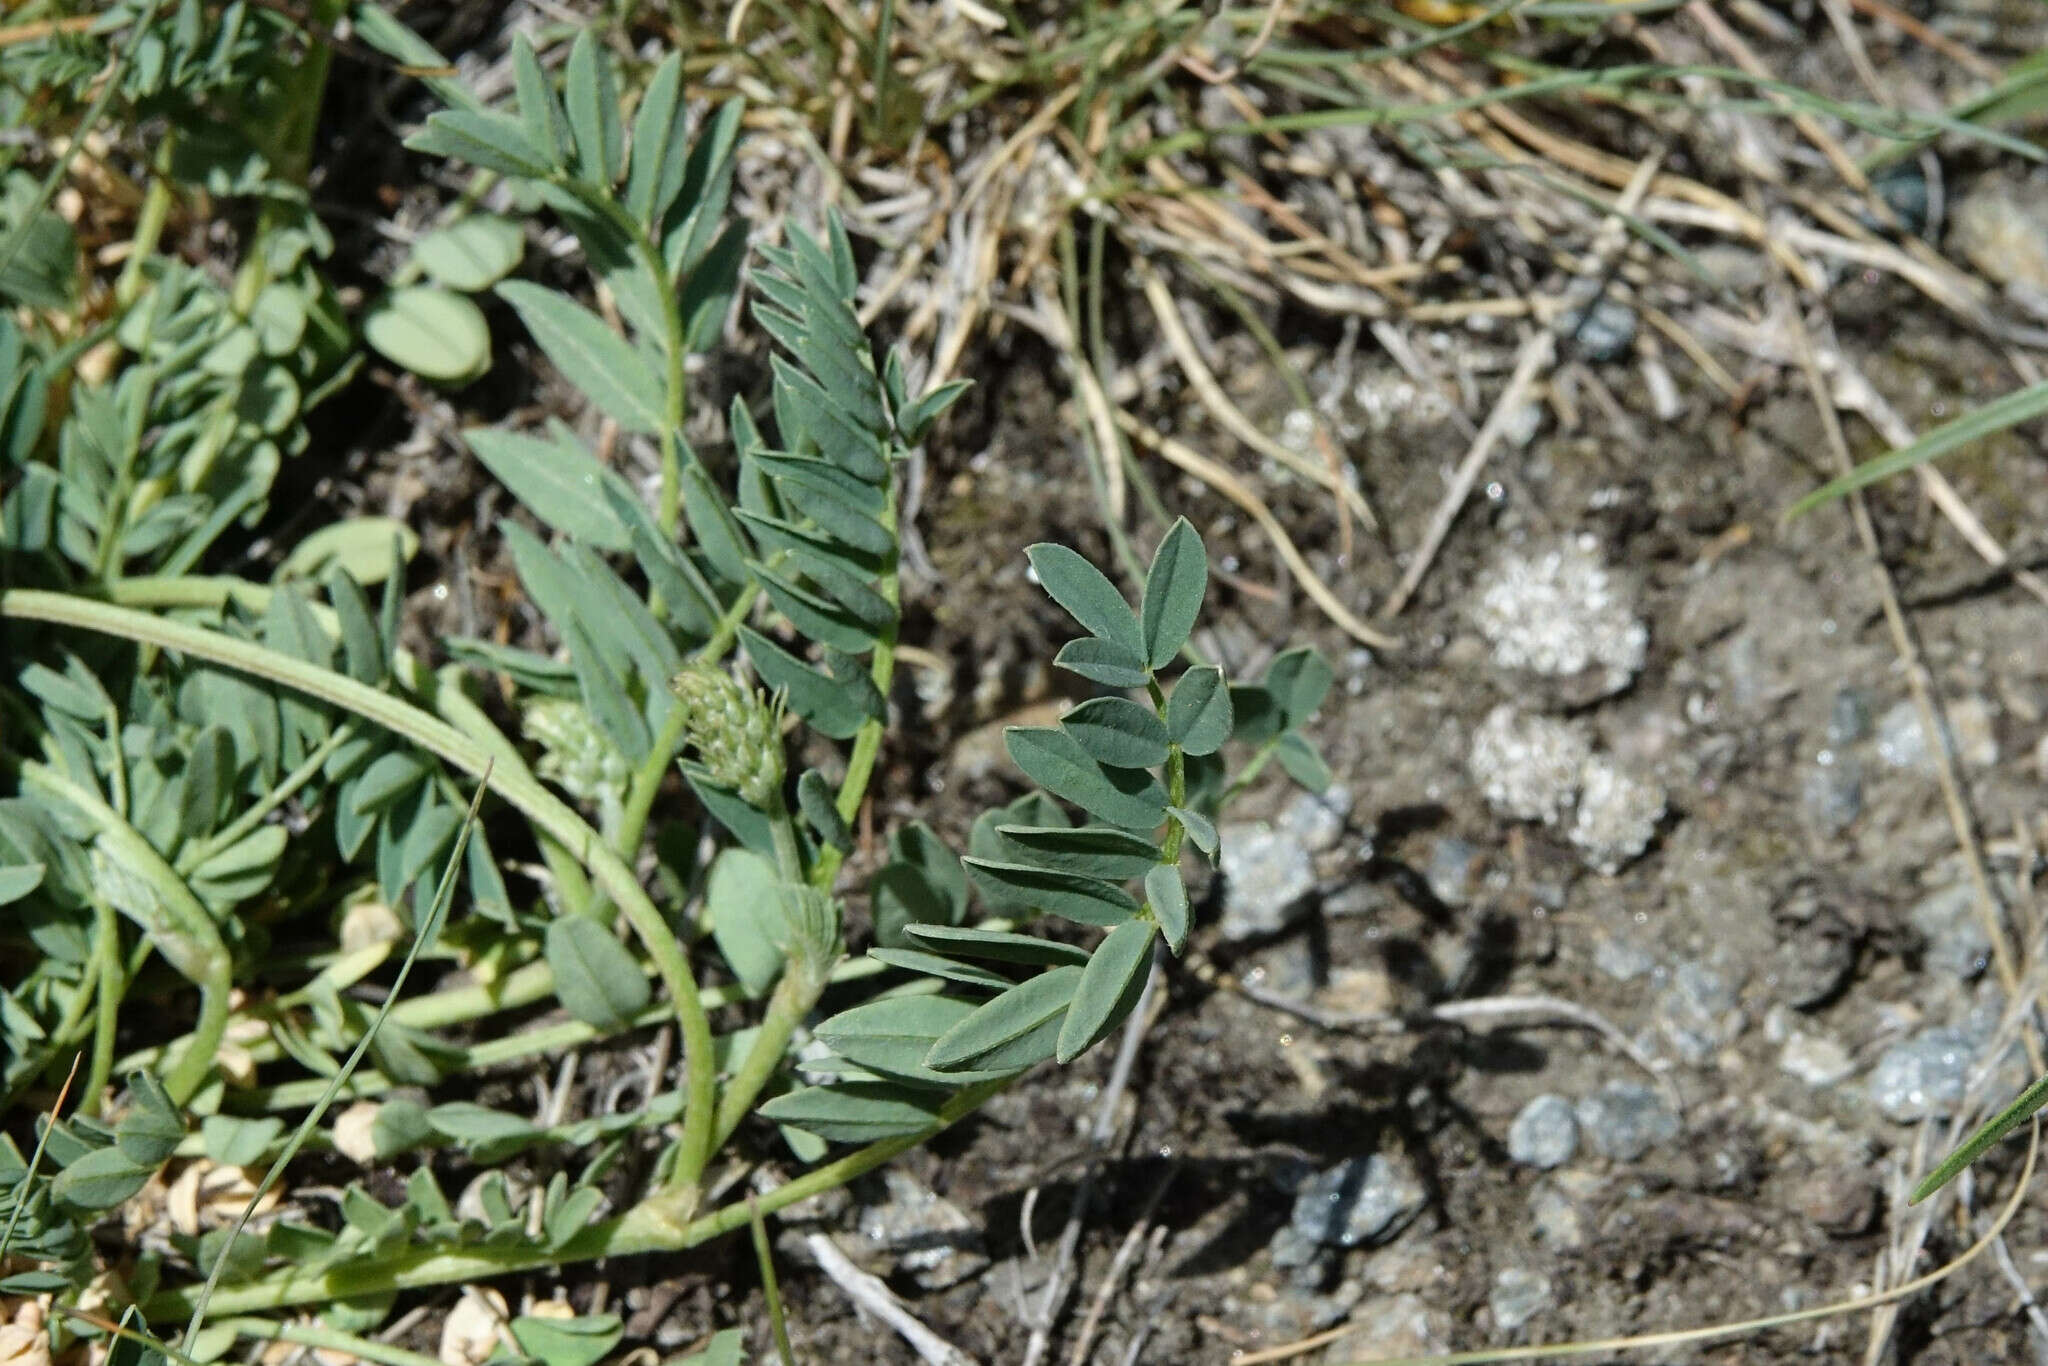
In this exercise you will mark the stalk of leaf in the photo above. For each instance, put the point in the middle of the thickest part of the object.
(648, 1227)
(543, 808)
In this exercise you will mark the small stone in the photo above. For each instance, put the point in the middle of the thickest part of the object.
(1403, 1326)
(1621, 960)
(1841, 1199)
(1526, 766)
(1521, 423)
(1518, 1295)
(1697, 1013)
(1974, 727)
(922, 1233)
(1559, 610)
(1452, 869)
(1956, 941)
(1924, 1075)
(1625, 1119)
(1816, 1060)
(1999, 227)
(1904, 191)
(1832, 793)
(1849, 717)
(1292, 968)
(1358, 1201)
(1545, 1134)
(1315, 820)
(1291, 1248)
(1816, 954)
(1559, 1209)
(1900, 740)
(1617, 817)
(1600, 334)
(1267, 877)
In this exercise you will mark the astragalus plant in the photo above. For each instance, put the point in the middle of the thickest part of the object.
(234, 801)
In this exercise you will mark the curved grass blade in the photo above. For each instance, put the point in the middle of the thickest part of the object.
(2023, 406)
(1996, 1128)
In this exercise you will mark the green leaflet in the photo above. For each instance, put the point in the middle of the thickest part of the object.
(1173, 592)
(540, 113)
(655, 126)
(591, 99)
(919, 845)
(1117, 732)
(1087, 596)
(596, 977)
(996, 945)
(1001, 1033)
(1108, 988)
(856, 1112)
(933, 965)
(1303, 762)
(473, 254)
(1100, 661)
(743, 899)
(1168, 897)
(1198, 826)
(611, 373)
(558, 480)
(493, 142)
(1020, 887)
(431, 332)
(892, 1036)
(901, 895)
(1055, 761)
(815, 799)
(1297, 681)
(827, 704)
(1198, 716)
(1095, 851)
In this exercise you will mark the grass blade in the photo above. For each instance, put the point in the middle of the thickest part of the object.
(2023, 406)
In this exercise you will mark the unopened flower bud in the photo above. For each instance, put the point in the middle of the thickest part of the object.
(734, 730)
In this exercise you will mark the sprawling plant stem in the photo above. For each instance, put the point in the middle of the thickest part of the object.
(651, 1226)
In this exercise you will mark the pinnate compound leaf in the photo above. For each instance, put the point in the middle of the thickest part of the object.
(436, 334)
(1087, 596)
(596, 977)
(990, 1036)
(1118, 732)
(591, 356)
(1173, 592)
(1198, 716)
(558, 480)
(1053, 759)
(1020, 887)
(1102, 661)
(893, 1035)
(1168, 897)
(856, 1112)
(1108, 988)
(996, 946)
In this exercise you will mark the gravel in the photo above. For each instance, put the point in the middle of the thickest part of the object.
(1358, 1201)
(1268, 875)
(1924, 1075)
(1518, 1295)
(1545, 1134)
(1625, 1119)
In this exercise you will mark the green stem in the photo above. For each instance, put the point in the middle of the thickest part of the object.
(107, 1017)
(651, 1226)
(313, 1335)
(647, 779)
(175, 921)
(149, 224)
(794, 996)
(547, 812)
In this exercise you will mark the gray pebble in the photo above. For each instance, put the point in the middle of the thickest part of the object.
(1849, 717)
(1267, 875)
(1956, 941)
(1625, 1119)
(922, 1233)
(1518, 1295)
(1832, 793)
(1600, 334)
(1924, 1075)
(1452, 869)
(1357, 1201)
(1545, 1134)
(1621, 960)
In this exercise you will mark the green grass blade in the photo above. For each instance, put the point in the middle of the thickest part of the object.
(2008, 1119)
(1994, 417)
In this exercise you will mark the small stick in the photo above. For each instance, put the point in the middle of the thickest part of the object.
(870, 1294)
